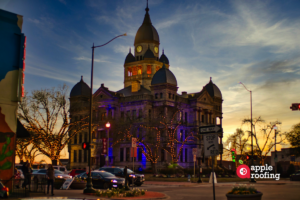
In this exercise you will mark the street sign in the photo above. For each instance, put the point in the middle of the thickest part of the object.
(104, 145)
(133, 143)
(210, 129)
(67, 183)
(133, 152)
(211, 145)
(195, 151)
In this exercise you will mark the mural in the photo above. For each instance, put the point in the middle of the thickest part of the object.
(12, 56)
(6, 150)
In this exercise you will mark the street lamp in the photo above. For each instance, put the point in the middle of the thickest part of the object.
(252, 179)
(89, 186)
(107, 125)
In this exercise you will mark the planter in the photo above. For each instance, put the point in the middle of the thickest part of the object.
(244, 196)
(77, 185)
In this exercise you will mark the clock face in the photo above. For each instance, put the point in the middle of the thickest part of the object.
(139, 49)
(156, 49)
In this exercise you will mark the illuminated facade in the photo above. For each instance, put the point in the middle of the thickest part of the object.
(150, 90)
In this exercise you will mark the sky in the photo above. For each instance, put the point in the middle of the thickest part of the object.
(253, 42)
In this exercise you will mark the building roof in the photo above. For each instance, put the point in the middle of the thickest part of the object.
(163, 58)
(147, 32)
(149, 53)
(81, 88)
(213, 90)
(164, 75)
(127, 91)
(129, 58)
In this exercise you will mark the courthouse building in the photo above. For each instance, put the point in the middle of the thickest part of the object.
(150, 91)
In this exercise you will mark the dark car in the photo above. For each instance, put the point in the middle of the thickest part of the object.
(4, 191)
(119, 172)
(103, 179)
(296, 176)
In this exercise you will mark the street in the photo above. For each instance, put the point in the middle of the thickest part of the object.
(271, 190)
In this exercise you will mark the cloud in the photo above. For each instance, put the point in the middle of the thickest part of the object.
(90, 59)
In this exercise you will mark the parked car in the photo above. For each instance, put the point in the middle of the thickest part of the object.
(296, 176)
(102, 179)
(4, 191)
(75, 172)
(139, 179)
(61, 168)
(57, 173)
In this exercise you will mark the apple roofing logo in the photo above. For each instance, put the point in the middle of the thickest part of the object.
(243, 171)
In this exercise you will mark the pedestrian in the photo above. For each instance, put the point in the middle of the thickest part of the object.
(25, 171)
(50, 177)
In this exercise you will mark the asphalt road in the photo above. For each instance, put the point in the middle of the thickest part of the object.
(271, 191)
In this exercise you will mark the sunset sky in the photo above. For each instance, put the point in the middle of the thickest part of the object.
(253, 42)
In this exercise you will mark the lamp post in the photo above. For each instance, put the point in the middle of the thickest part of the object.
(252, 179)
(107, 125)
(89, 186)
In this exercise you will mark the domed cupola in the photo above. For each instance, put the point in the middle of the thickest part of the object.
(146, 33)
(149, 54)
(80, 89)
(163, 58)
(164, 75)
(213, 90)
(129, 58)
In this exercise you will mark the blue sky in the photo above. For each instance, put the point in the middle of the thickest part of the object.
(255, 42)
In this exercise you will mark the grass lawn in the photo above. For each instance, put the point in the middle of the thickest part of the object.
(149, 177)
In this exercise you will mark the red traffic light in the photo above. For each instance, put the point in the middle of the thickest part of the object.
(295, 106)
(85, 145)
(247, 157)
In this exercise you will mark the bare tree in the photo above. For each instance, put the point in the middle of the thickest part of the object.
(46, 115)
(263, 134)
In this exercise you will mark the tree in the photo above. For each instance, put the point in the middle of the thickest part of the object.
(294, 138)
(262, 134)
(239, 142)
(171, 128)
(46, 115)
(26, 150)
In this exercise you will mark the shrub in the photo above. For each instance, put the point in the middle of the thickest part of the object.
(243, 189)
(120, 193)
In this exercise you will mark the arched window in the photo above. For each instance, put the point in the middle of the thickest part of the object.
(129, 71)
(156, 96)
(134, 71)
(139, 70)
(149, 70)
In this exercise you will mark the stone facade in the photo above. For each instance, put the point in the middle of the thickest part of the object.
(150, 92)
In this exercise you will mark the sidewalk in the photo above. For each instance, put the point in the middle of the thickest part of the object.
(78, 194)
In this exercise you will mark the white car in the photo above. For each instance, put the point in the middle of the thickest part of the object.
(57, 173)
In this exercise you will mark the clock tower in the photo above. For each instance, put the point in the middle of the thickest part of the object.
(140, 66)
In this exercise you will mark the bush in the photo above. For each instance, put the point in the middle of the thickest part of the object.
(243, 189)
(120, 193)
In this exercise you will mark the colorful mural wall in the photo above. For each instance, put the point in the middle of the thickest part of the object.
(12, 67)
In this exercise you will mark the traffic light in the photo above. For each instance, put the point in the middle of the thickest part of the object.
(247, 157)
(295, 106)
(233, 155)
(85, 145)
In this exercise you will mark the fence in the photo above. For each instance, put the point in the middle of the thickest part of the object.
(35, 184)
